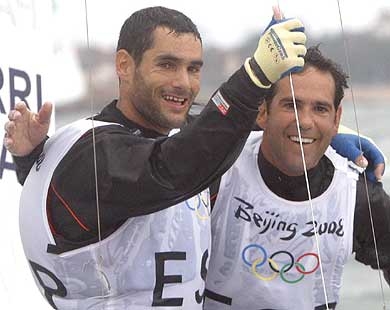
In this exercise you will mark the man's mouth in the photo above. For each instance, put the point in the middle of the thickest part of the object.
(174, 99)
(304, 140)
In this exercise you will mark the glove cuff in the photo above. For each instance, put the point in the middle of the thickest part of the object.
(256, 74)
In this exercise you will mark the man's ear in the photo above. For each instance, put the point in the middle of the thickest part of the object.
(261, 119)
(124, 64)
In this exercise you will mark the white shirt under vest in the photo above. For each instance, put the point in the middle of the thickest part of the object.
(264, 248)
(152, 261)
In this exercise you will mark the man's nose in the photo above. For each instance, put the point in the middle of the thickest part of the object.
(305, 119)
(181, 79)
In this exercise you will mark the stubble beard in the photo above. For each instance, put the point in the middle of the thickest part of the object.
(150, 109)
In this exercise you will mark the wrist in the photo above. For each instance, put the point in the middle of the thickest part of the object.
(256, 74)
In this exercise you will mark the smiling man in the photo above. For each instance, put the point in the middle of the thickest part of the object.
(157, 92)
(263, 227)
(115, 214)
(319, 119)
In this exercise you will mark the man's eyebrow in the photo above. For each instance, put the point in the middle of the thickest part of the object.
(174, 58)
(325, 103)
(197, 63)
(299, 101)
(290, 99)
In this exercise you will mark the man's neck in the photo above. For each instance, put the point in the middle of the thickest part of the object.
(113, 114)
(294, 187)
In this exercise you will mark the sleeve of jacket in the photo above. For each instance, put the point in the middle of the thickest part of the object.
(23, 164)
(139, 176)
(363, 234)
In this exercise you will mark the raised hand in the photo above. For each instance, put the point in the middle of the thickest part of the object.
(26, 129)
(280, 51)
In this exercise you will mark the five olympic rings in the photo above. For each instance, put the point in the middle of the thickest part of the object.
(257, 263)
(200, 202)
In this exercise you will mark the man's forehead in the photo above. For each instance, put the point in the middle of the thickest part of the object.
(166, 34)
(181, 46)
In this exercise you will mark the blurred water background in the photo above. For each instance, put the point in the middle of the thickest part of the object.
(361, 289)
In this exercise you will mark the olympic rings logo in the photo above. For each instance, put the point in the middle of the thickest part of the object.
(199, 205)
(275, 271)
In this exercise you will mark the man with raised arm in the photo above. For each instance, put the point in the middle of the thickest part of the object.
(145, 241)
(274, 246)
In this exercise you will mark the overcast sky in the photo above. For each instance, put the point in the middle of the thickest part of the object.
(221, 23)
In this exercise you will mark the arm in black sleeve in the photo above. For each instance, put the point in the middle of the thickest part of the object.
(139, 176)
(363, 235)
(190, 160)
(24, 164)
(218, 137)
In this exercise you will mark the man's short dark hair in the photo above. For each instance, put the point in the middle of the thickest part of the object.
(314, 58)
(136, 35)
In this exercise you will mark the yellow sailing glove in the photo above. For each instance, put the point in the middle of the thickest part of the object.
(280, 51)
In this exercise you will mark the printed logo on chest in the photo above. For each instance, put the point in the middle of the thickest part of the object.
(270, 221)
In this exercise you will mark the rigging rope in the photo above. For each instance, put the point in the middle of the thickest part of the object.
(346, 52)
(99, 259)
(308, 190)
(347, 60)
(307, 181)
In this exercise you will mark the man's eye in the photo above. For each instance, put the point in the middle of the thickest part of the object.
(166, 65)
(289, 105)
(321, 109)
(194, 69)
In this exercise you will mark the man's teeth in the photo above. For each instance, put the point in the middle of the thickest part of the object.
(304, 140)
(174, 99)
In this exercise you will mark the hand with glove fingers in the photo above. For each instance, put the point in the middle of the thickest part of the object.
(280, 51)
(347, 144)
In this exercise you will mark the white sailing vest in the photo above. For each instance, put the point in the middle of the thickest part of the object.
(264, 249)
(157, 260)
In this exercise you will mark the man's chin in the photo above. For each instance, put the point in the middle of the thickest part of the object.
(178, 124)
(178, 121)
